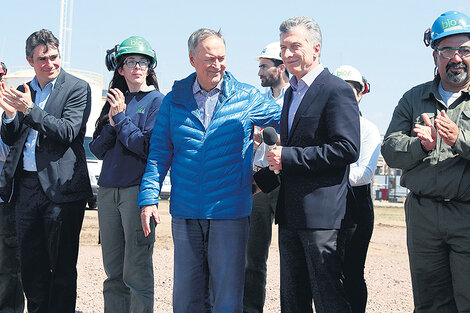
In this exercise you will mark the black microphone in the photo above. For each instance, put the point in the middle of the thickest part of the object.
(270, 138)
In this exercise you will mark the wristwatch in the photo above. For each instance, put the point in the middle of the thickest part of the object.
(28, 110)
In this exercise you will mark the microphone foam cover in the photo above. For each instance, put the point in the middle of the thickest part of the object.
(270, 136)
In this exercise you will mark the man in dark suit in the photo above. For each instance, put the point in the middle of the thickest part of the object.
(45, 174)
(319, 139)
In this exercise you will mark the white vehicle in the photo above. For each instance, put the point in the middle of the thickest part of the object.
(166, 188)
(94, 170)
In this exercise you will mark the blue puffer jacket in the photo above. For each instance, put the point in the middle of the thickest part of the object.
(211, 169)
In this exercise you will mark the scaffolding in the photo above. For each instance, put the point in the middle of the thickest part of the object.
(65, 32)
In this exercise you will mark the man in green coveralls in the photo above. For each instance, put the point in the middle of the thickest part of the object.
(429, 138)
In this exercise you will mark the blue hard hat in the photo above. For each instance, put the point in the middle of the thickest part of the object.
(447, 24)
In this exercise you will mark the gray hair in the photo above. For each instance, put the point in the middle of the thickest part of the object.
(312, 28)
(201, 34)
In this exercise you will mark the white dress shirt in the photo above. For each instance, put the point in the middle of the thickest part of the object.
(362, 171)
(260, 153)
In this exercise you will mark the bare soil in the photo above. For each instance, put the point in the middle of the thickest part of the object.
(387, 269)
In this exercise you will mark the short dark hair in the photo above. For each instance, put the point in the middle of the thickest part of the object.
(41, 37)
(279, 62)
(356, 86)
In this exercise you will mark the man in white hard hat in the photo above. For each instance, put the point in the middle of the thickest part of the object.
(362, 209)
(275, 78)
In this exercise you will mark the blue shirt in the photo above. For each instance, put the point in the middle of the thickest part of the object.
(29, 152)
(299, 88)
(206, 101)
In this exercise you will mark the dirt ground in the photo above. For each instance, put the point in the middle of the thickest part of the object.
(387, 269)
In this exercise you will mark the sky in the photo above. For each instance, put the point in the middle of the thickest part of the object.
(383, 39)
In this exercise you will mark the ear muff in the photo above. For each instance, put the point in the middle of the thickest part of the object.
(4, 70)
(366, 86)
(110, 59)
(427, 37)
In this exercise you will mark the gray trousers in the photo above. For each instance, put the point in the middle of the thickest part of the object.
(11, 290)
(438, 238)
(259, 240)
(127, 253)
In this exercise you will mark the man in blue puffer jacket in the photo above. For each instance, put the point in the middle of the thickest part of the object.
(204, 132)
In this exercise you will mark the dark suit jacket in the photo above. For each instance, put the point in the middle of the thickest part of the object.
(60, 156)
(323, 141)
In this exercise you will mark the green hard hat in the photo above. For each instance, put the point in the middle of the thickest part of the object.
(137, 45)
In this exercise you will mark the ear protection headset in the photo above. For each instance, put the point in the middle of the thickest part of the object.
(427, 37)
(366, 86)
(110, 59)
(4, 70)
(131, 45)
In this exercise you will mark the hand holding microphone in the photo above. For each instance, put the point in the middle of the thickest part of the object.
(273, 156)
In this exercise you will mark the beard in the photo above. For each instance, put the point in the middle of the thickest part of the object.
(269, 81)
(457, 77)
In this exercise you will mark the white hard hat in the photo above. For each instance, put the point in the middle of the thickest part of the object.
(271, 51)
(347, 72)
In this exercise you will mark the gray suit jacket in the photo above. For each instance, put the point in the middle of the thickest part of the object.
(60, 156)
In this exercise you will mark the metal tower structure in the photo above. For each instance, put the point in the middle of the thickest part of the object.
(65, 32)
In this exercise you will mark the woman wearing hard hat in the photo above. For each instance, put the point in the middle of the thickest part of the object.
(362, 210)
(121, 140)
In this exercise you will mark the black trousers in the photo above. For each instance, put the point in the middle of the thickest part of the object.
(48, 235)
(356, 249)
(311, 269)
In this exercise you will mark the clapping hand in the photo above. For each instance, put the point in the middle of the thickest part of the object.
(117, 103)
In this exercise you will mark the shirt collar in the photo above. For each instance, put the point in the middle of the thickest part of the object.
(148, 88)
(308, 78)
(197, 88)
(269, 92)
(37, 88)
(433, 91)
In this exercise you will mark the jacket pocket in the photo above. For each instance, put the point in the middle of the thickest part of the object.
(464, 121)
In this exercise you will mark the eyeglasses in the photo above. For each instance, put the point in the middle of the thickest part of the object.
(133, 63)
(448, 52)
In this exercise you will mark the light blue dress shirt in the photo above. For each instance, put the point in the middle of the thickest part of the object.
(299, 88)
(29, 152)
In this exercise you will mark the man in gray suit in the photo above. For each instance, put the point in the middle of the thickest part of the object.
(45, 174)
